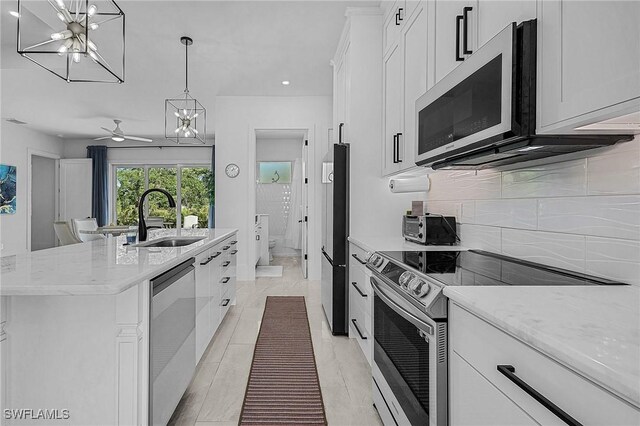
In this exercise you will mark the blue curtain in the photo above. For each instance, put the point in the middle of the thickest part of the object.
(100, 190)
(212, 200)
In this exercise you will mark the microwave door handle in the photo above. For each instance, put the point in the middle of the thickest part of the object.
(458, 21)
(465, 39)
(398, 309)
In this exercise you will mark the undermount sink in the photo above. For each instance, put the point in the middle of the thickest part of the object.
(169, 242)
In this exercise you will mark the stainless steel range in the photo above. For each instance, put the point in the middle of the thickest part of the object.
(410, 322)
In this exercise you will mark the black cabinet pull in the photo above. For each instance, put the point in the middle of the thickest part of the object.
(355, 284)
(465, 39)
(395, 143)
(225, 280)
(209, 259)
(398, 148)
(458, 20)
(225, 248)
(257, 237)
(355, 324)
(226, 263)
(399, 16)
(233, 242)
(509, 372)
(233, 252)
(218, 253)
(225, 302)
(355, 256)
(340, 126)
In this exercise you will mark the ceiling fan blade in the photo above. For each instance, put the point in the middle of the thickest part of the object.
(107, 130)
(136, 138)
(102, 138)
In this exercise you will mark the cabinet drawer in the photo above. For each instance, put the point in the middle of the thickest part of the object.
(485, 347)
(362, 336)
(358, 255)
(225, 304)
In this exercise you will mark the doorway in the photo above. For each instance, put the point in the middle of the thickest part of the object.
(282, 199)
(43, 202)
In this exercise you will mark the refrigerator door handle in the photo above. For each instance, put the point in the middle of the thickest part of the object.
(327, 256)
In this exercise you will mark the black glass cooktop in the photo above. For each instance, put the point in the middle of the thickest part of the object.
(475, 267)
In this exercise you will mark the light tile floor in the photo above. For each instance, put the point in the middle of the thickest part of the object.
(215, 395)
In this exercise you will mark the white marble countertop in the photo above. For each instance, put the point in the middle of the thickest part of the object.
(594, 331)
(104, 266)
(395, 244)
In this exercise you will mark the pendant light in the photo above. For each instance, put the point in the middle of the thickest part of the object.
(185, 118)
(77, 40)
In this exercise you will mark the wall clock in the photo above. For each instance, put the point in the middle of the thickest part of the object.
(232, 170)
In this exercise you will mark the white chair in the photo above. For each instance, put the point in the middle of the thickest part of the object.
(88, 224)
(191, 221)
(64, 234)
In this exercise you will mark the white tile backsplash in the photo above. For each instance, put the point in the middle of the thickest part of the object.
(616, 171)
(560, 250)
(605, 216)
(507, 213)
(549, 180)
(614, 259)
(582, 215)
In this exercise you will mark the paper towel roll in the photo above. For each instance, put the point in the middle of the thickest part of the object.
(413, 184)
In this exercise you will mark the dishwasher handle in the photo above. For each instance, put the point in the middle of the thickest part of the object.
(164, 280)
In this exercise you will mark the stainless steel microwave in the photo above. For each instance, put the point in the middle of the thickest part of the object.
(483, 113)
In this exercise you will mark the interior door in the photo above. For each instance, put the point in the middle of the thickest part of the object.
(304, 253)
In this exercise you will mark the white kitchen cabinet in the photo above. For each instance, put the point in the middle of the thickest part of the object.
(405, 80)
(215, 282)
(360, 301)
(492, 16)
(588, 62)
(480, 394)
(448, 34)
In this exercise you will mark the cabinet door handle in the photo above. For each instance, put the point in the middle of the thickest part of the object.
(398, 154)
(395, 143)
(209, 259)
(257, 237)
(399, 16)
(233, 252)
(226, 263)
(355, 324)
(233, 242)
(509, 372)
(459, 19)
(225, 302)
(225, 280)
(340, 126)
(225, 248)
(355, 284)
(218, 253)
(465, 39)
(355, 256)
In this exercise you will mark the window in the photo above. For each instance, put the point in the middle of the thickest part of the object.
(190, 186)
(274, 172)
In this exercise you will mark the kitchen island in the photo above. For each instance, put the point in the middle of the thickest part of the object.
(75, 326)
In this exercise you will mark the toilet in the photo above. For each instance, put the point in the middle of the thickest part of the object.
(272, 244)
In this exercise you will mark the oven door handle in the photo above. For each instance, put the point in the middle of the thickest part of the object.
(398, 309)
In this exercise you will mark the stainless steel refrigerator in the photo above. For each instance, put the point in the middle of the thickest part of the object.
(335, 247)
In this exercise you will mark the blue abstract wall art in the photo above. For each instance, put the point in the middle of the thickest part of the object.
(7, 189)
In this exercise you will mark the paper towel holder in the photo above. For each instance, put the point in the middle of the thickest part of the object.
(423, 182)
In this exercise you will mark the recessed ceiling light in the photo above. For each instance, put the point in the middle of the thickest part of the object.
(14, 14)
(286, 82)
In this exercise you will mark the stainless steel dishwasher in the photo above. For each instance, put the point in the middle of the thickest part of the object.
(172, 347)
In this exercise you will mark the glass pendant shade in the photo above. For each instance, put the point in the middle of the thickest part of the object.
(185, 119)
(77, 40)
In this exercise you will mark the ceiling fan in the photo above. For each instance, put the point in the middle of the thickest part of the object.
(118, 135)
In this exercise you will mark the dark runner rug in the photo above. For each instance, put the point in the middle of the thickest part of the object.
(283, 386)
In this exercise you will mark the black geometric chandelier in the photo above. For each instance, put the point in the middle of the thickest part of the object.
(77, 40)
(185, 119)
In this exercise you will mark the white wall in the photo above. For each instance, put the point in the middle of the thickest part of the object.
(237, 118)
(582, 215)
(15, 143)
